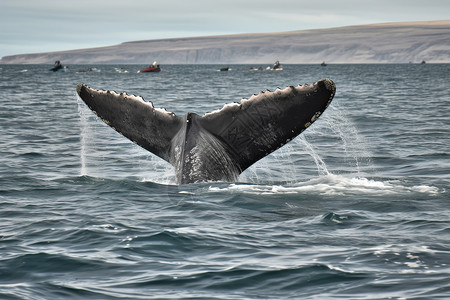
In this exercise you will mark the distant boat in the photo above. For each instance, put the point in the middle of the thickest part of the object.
(224, 69)
(323, 64)
(152, 68)
(276, 67)
(423, 62)
(58, 66)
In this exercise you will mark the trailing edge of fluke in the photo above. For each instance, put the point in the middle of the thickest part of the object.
(217, 146)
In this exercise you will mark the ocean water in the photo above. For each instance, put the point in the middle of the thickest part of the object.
(357, 207)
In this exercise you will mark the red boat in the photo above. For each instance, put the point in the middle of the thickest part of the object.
(152, 68)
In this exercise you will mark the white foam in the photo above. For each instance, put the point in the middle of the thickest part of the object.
(330, 185)
(160, 173)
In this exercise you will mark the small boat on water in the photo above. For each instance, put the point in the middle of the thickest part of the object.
(152, 68)
(323, 64)
(58, 67)
(224, 69)
(276, 67)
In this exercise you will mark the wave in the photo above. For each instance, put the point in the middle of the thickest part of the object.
(256, 281)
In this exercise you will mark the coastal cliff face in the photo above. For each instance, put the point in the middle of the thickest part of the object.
(378, 43)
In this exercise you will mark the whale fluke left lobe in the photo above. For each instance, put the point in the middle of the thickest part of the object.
(150, 128)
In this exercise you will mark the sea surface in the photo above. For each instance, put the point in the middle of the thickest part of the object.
(357, 207)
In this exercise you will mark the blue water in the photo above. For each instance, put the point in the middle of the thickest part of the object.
(357, 207)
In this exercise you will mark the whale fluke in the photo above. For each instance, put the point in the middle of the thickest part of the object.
(218, 145)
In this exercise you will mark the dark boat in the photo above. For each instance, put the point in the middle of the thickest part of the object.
(323, 64)
(276, 67)
(224, 69)
(152, 68)
(58, 66)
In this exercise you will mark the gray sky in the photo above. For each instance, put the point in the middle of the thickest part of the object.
(29, 26)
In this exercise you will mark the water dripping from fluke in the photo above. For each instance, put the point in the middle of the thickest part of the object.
(321, 166)
(84, 131)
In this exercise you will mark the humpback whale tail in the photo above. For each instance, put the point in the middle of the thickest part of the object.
(218, 145)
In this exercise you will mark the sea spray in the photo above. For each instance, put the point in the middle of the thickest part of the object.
(84, 132)
(321, 166)
(354, 146)
(268, 172)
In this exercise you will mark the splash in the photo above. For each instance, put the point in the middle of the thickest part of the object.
(354, 150)
(354, 146)
(321, 166)
(332, 185)
(84, 133)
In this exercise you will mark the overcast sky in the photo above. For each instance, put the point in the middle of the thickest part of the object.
(29, 26)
